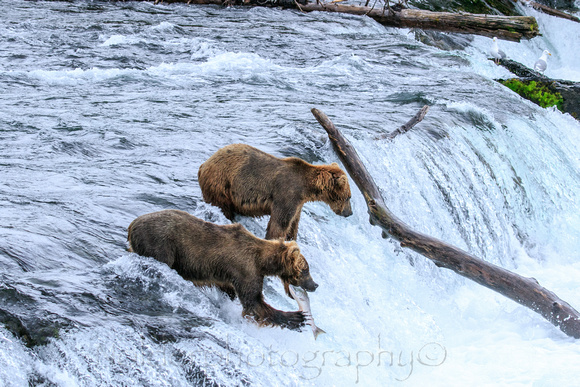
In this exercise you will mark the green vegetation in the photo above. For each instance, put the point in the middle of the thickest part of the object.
(536, 92)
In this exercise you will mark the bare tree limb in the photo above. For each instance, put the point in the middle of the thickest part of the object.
(512, 28)
(525, 291)
(405, 128)
(550, 11)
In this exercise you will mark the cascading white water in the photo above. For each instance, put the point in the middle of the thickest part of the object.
(109, 109)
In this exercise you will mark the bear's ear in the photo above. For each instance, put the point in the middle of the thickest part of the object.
(341, 181)
(287, 254)
(293, 249)
(323, 180)
(296, 253)
(298, 261)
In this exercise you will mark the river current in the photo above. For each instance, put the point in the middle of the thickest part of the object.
(108, 109)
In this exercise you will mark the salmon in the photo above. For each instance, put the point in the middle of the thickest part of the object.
(303, 301)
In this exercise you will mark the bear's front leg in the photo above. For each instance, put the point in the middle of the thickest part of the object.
(280, 220)
(254, 305)
(293, 231)
(229, 290)
(290, 320)
(267, 315)
(228, 211)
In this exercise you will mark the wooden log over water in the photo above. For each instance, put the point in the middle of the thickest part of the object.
(550, 11)
(525, 291)
(512, 28)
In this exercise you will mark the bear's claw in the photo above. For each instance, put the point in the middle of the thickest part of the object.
(290, 320)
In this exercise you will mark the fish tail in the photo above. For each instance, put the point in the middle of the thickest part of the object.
(317, 331)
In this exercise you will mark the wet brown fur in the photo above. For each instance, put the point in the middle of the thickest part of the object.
(241, 179)
(228, 257)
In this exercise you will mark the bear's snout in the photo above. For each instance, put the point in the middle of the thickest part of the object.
(308, 284)
(347, 211)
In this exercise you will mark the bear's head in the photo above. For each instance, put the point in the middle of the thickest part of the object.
(296, 271)
(335, 190)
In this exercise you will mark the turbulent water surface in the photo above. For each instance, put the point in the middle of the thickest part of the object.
(108, 109)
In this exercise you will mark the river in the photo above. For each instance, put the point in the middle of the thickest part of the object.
(108, 109)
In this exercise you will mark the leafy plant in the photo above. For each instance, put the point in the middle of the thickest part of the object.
(536, 92)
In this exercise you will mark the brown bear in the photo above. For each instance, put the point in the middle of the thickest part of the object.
(229, 257)
(241, 179)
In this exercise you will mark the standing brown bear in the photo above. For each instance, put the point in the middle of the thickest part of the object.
(228, 257)
(244, 180)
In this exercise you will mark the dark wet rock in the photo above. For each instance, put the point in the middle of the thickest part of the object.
(489, 7)
(442, 40)
(559, 4)
(569, 90)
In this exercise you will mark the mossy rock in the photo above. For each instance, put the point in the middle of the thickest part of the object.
(544, 91)
(537, 92)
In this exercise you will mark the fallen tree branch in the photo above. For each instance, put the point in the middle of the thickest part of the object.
(512, 28)
(525, 291)
(408, 126)
(550, 11)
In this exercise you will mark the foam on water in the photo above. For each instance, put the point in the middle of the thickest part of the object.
(117, 40)
(15, 360)
(230, 65)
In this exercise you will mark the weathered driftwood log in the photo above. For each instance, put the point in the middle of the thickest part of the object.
(526, 291)
(408, 126)
(550, 11)
(512, 28)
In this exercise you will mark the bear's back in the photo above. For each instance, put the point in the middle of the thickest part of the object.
(196, 249)
(241, 161)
